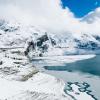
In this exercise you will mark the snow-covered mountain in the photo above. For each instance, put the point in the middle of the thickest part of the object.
(14, 34)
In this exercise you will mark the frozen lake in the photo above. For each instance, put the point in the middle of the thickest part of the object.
(86, 70)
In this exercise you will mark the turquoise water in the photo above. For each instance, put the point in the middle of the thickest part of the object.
(89, 66)
(84, 71)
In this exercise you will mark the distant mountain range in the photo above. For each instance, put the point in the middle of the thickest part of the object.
(15, 34)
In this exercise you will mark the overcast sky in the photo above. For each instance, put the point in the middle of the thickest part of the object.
(48, 14)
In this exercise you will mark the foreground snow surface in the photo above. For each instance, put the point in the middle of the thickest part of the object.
(20, 80)
(39, 87)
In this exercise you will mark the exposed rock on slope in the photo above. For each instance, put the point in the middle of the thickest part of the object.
(21, 80)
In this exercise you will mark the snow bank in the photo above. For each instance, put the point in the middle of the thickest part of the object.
(61, 59)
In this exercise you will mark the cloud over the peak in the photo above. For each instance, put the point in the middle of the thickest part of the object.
(48, 14)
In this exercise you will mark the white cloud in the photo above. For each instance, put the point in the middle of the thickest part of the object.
(48, 14)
